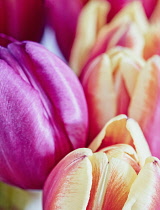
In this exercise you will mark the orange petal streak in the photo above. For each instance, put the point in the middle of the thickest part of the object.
(119, 179)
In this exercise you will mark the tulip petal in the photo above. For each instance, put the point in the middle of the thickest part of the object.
(119, 179)
(114, 132)
(61, 85)
(30, 115)
(139, 141)
(69, 183)
(144, 193)
(123, 32)
(145, 103)
(99, 163)
(124, 130)
(91, 19)
(124, 152)
(96, 82)
(152, 41)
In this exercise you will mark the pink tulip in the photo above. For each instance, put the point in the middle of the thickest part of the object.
(23, 20)
(43, 113)
(106, 179)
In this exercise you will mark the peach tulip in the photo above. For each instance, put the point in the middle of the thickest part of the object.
(121, 82)
(107, 179)
(129, 28)
(67, 13)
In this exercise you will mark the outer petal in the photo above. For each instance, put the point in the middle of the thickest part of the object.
(144, 193)
(34, 118)
(22, 20)
(91, 19)
(69, 183)
(61, 85)
(100, 94)
(144, 107)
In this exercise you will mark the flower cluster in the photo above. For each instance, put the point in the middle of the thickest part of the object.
(84, 133)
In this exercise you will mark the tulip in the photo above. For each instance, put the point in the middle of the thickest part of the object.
(43, 113)
(23, 20)
(120, 82)
(17, 199)
(129, 28)
(105, 179)
(68, 13)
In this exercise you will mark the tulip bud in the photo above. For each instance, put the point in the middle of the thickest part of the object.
(125, 30)
(106, 179)
(22, 20)
(88, 181)
(108, 84)
(121, 83)
(43, 113)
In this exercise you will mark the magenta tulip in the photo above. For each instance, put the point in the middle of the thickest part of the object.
(63, 17)
(23, 20)
(43, 113)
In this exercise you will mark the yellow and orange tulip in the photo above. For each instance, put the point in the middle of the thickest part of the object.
(119, 82)
(129, 28)
(113, 178)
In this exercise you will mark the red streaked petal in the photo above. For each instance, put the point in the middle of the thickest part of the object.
(119, 179)
(145, 103)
